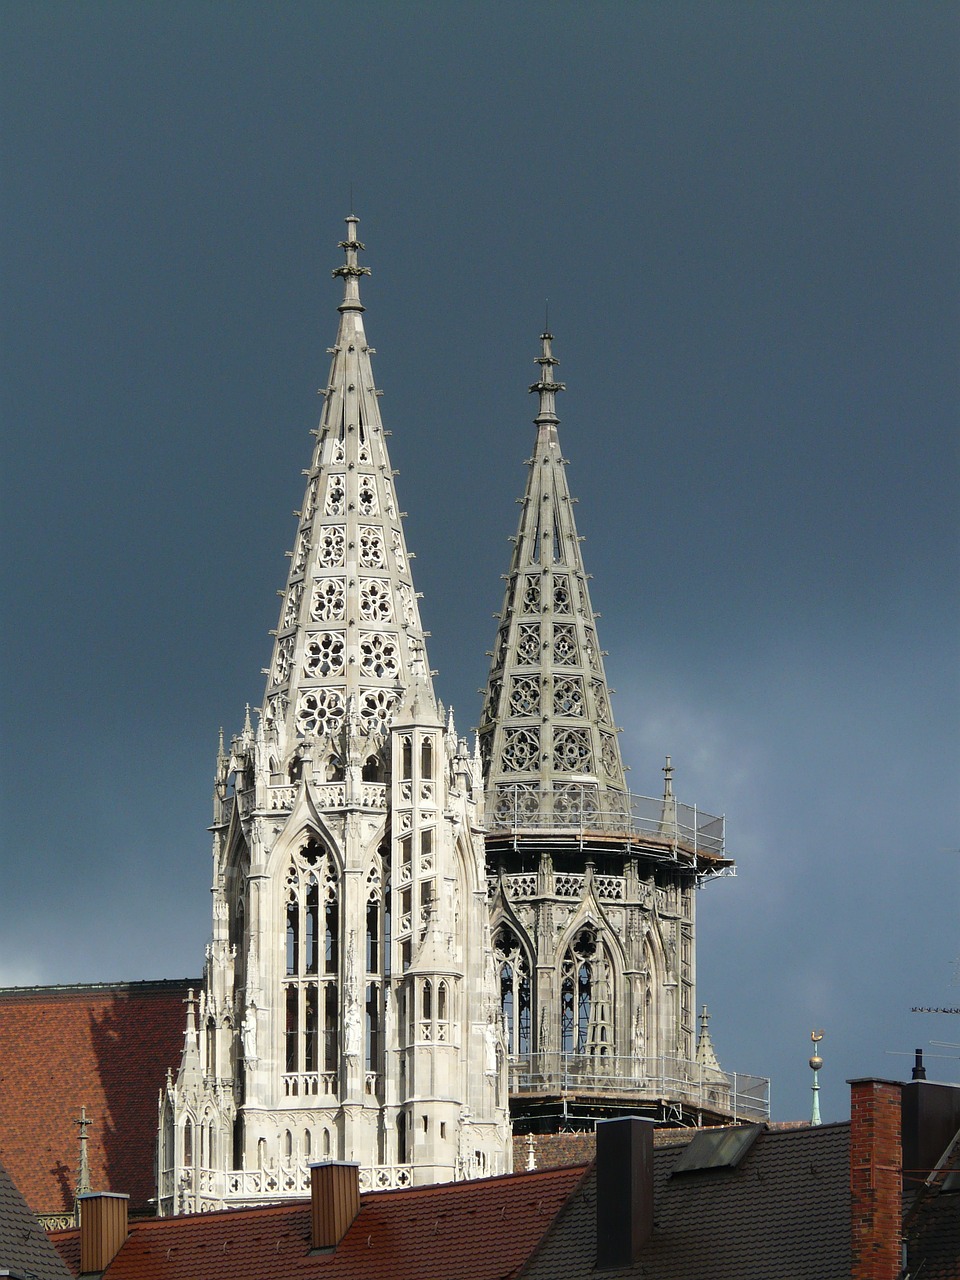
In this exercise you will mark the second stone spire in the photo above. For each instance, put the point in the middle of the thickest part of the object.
(549, 744)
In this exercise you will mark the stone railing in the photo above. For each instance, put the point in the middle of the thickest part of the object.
(54, 1222)
(328, 795)
(523, 807)
(565, 885)
(310, 1084)
(645, 1078)
(206, 1189)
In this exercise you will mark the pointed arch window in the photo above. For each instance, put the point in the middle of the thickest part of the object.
(586, 997)
(513, 969)
(311, 983)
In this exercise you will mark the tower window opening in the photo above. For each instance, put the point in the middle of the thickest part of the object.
(311, 915)
(427, 1001)
(373, 937)
(293, 1027)
(211, 1048)
(373, 1027)
(406, 758)
(331, 1028)
(515, 1002)
(586, 997)
(426, 758)
(332, 938)
(293, 930)
(310, 1028)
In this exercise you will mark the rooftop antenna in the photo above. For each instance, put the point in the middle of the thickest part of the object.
(816, 1062)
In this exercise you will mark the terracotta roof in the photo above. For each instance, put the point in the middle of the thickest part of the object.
(783, 1211)
(24, 1248)
(482, 1230)
(106, 1047)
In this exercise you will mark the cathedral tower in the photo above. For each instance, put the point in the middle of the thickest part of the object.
(592, 889)
(349, 1008)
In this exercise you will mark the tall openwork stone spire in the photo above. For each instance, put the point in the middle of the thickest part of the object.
(348, 990)
(549, 743)
(349, 632)
(591, 888)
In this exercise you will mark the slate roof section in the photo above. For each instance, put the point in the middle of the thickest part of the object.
(24, 1248)
(106, 1047)
(782, 1214)
(933, 1224)
(481, 1230)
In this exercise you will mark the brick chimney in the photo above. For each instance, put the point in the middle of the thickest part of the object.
(624, 1190)
(103, 1229)
(876, 1164)
(334, 1202)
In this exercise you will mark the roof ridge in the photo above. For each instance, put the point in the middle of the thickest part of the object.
(71, 988)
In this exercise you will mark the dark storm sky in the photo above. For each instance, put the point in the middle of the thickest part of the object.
(745, 218)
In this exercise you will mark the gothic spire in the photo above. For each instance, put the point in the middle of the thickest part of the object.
(349, 629)
(550, 748)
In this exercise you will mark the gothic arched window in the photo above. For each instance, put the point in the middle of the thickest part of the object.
(311, 984)
(586, 996)
(513, 968)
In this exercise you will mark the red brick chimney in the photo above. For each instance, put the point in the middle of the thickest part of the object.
(334, 1202)
(876, 1165)
(103, 1229)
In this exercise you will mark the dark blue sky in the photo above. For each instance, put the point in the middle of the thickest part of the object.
(745, 218)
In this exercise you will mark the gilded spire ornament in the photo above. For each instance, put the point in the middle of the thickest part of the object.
(816, 1062)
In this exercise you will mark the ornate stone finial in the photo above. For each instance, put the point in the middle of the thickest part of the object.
(546, 387)
(83, 1172)
(668, 781)
(668, 813)
(816, 1062)
(706, 1054)
(351, 271)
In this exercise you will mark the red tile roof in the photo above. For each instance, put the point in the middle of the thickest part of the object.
(482, 1230)
(106, 1047)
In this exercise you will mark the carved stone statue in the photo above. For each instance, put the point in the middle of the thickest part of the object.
(353, 1030)
(248, 1029)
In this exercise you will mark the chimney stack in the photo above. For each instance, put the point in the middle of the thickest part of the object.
(334, 1202)
(103, 1228)
(624, 1190)
(876, 1162)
